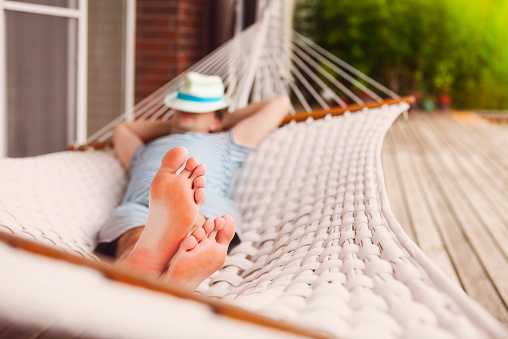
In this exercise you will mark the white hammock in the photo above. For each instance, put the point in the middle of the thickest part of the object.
(322, 254)
(321, 247)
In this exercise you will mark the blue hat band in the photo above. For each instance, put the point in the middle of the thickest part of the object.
(188, 97)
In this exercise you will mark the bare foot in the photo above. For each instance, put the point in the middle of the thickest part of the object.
(202, 253)
(174, 204)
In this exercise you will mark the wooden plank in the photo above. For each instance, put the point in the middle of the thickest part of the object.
(489, 142)
(417, 181)
(488, 159)
(490, 203)
(396, 194)
(493, 263)
(469, 267)
(414, 202)
(486, 139)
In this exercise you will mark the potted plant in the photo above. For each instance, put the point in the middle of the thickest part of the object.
(442, 81)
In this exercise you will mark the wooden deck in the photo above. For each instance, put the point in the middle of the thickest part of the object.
(447, 180)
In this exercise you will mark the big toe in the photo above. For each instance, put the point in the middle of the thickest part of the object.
(174, 159)
(225, 235)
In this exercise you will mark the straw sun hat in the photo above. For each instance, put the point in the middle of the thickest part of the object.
(198, 94)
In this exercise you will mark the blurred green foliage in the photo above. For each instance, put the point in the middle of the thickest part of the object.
(431, 47)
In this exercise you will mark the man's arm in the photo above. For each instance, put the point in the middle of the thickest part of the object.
(250, 125)
(127, 136)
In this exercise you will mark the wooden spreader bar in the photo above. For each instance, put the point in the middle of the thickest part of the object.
(131, 277)
(320, 114)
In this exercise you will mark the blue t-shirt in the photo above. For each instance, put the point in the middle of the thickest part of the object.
(220, 153)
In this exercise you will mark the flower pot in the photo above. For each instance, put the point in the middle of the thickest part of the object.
(444, 102)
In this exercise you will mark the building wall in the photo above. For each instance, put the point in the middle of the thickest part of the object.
(171, 35)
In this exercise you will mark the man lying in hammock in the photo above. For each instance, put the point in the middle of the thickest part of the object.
(150, 229)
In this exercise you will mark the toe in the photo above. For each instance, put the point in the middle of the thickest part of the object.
(200, 196)
(219, 224)
(199, 233)
(199, 182)
(174, 159)
(225, 235)
(188, 243)
(189, 168)
(199, 170)
(208, 226)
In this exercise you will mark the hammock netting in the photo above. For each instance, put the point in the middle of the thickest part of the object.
(321, 249)
(265, 60)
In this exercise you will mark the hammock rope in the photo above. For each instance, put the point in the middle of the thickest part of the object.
(266, 60)
(321, 246)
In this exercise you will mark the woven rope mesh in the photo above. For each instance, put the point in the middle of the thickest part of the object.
(60, 199)
(320, 249)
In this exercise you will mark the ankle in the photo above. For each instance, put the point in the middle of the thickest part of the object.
(126, 242)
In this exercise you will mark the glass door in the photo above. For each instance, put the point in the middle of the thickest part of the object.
(44, 82)
(66, 68)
